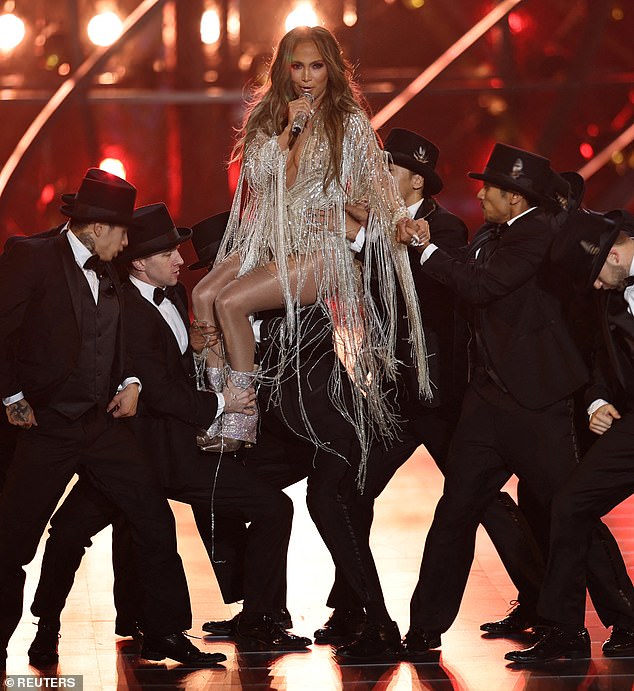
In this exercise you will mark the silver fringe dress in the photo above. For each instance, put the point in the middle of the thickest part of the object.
(271, 222)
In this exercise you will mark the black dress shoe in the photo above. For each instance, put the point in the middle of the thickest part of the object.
(222, 628)
(264, 633)
(418, 643)
(43, 649)
(343, 626)
(620, 643)
(129, 631)
(553, 645)
(377, 643)
(517, 620)
(226, 628)
(178, 647)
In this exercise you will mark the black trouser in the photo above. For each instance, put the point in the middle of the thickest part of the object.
(503, 521)
(493, 441)
(238, 495)
(105, 450)
(579, 540)
(282, 458)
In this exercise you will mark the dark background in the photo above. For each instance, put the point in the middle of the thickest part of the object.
(555, 77)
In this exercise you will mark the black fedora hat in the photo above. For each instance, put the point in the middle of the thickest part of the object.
(102, 197)
(517, 170)
(585, 240)
(567, 190)
(206, 239)
(410, 150)
(153, 232)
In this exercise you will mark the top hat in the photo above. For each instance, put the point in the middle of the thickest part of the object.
(207, 238)
(585, 240)
(102, 197)
(154, 232)
(410, 150)
(516, 170)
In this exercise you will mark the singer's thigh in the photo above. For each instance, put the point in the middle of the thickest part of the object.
(261, 289)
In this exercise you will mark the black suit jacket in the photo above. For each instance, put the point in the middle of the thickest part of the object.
(170, 407)
(516, 305)
(445, 328)
(613, 363)
(40, 317)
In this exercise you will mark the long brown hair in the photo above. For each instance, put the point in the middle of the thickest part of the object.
(267, 109)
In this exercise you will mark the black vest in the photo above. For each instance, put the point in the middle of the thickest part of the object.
(89, 383)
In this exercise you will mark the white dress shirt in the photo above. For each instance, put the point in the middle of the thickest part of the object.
(81, 254)
(170, 313)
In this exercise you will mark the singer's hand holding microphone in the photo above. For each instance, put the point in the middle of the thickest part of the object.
(299, 112)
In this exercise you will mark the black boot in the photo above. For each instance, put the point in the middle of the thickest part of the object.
(43, 650)
(377, 643)
(344, 626)
(177, 646)
(517, 620)
(262, 632)
(554, 644)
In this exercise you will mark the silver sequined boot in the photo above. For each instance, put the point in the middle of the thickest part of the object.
(238, 426)
(209, 439)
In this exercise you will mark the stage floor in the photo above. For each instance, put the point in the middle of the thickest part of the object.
(88, 646)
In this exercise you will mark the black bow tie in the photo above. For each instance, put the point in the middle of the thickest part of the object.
(629, 281)
(161, 293)
(93, 263)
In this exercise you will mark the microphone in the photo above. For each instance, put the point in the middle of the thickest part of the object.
(300, 120)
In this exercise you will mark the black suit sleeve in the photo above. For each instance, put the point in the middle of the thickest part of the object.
(521, 250)
(18, 282)
(167, 390)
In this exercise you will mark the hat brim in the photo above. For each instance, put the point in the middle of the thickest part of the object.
(155, 245)
(505, 182)
(433, 183)
(90, 214)
(606, 240)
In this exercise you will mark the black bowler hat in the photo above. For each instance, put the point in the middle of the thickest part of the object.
(585, 240)
(102, 197)
(410, 150)
(154, 232)
(516, 170)
(207, 238)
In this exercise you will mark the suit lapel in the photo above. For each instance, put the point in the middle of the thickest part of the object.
(73, 275)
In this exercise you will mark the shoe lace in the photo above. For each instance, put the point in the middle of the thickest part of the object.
(514, 604)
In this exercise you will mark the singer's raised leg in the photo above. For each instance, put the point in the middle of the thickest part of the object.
(257, 291)
(204, 296)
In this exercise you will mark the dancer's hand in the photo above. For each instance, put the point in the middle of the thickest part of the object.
(21, 414)
(413, 233)
(238, 400)
(124, 403)
(356, 217)
(602, 418)
(359, 210)
(203, 335)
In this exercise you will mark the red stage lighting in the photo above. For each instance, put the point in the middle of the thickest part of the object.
(586, 150)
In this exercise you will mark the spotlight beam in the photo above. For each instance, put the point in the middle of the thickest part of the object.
(452, 53)
(605, 156)
(70, 87)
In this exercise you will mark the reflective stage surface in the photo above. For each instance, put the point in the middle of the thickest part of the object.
(89, 647)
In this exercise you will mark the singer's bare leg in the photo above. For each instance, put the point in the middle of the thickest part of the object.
(257, 291)
(204, 295)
